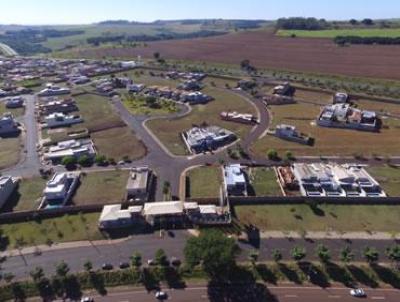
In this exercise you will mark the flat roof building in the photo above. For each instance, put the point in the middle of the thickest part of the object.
(235, 181)
(75, 148)
(139, 184)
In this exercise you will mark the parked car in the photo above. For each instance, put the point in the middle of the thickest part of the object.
(107, 266)
(160, 295)
(87, 299)
(358, 293)
(175, 261)
(124, 265)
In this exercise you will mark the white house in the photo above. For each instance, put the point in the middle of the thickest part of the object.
(235, 180)
(58, 119)
(138, 185)
(59, 189)
(8, 125)
(52, 90)
(75, 148)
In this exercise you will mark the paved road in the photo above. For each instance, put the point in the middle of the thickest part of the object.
(252, 293)
(7, 50)
(147, 245)
(29, 163)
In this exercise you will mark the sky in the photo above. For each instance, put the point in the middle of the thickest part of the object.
(33, 12)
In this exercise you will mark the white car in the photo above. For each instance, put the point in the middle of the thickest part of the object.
(358, 293)
(160, 295)
(87, 299)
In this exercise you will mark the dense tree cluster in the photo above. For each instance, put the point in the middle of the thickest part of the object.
(342, 40)
(302, 23)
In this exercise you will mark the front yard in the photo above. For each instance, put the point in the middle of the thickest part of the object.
(263, 182)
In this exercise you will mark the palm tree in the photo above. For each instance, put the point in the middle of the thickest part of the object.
(136, 260)
(346, 255)
(161, 257)
(37, 274)
(253, 257)
(393, 253)
(62, 269)
(298, 253)
(88, 266)
(277, 255)
(323, 253)
(371, 255)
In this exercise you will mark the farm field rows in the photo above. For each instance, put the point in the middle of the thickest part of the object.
(332, 33)
(265, 50)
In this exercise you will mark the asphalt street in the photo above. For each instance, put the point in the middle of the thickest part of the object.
(173, 244)
(252, 293)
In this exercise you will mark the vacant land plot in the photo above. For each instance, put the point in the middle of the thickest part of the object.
(118, 143)
(388, 177)
(168, 130)
(204, 182)
(101, 188)
(328, 141)
(49, 231)
(9, 151)
(16, 112)
(264, 182)
(332, 33)
(27, 196)
(265, 50)
(329, 218)
(137, 105)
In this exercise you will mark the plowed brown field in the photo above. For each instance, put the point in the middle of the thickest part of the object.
(265, 50)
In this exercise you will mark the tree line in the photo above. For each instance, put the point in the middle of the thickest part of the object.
(343, 40)
(299, 23)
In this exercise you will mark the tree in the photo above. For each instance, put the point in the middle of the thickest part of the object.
(393, 253)
(62, 269)
(136, 260)
(371, 255)
(289, 155)
(161, 257)
(353, 22)
(214, 251)
(84, 161)
(367, 21)
(8, 277)
(69, 162)
(88, 266)
(298, 253)
(253, 257)
(346, 255)
(276, 255)
(100, 160)
(272, 154)
(323, 253)
(37, 274)
(156, 55)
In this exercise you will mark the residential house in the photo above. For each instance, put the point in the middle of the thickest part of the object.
(8, 125)
(7, 187)
(57, 106)
(59, 119)
(235, 183)
(195, 98)
(59, 189)
(139, 184)
(15, 102)
(243, 118)
(52, 90)
(75, 148)
(285, 89)
(164, 213)
(340, 98)
(114, 217)
(290, 133)
(202, 139)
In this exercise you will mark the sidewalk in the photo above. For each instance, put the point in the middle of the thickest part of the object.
(331, 235)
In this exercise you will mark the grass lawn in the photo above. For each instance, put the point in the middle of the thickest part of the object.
(264, 182)
(16, 112)
(388, 177)
(9, 151)
(102, 188)
(137, 106)
(54, 230)
(332, 33)
(27, 196)
(328, 141)
(204, 182)
(168, 131)
(126, 141)
(331, 217)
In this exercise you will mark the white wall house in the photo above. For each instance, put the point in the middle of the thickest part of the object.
(61, 120)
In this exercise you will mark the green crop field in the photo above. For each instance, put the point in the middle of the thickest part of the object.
(332, 33)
